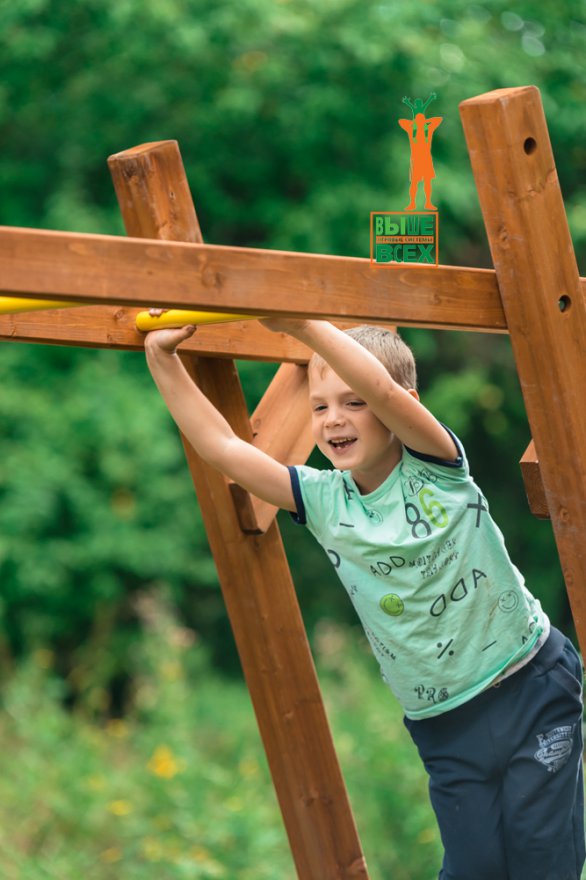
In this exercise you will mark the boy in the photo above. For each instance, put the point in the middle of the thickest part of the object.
(491, 692)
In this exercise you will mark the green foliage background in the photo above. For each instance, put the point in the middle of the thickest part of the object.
(286, 115)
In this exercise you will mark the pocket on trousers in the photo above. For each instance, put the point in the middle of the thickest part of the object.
(566, 678)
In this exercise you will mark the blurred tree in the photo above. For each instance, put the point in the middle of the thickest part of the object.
(286, 114)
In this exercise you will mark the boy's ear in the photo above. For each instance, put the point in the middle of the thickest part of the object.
(413, 392)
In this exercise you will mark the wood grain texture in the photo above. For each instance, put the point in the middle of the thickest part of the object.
(533, 482)
(113, 270)
(255, 579)
(114, 327)
(108, 327)
(543, 300)
(275, 657)
(281, 426)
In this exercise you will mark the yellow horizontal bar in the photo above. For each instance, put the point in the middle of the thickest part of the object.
(11, 305)
(179, 318)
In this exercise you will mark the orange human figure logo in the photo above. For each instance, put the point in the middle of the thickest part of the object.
(420, 131)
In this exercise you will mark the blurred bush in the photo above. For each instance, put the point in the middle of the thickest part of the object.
(286, 114)
(179, 787)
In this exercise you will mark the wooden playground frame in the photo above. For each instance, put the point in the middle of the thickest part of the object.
(535, 294)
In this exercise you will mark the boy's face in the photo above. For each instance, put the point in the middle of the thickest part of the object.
(348, 433)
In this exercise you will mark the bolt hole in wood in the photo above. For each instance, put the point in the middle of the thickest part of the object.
(564, 303)
(529, 145)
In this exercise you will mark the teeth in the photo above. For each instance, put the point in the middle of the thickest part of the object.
(341, 440)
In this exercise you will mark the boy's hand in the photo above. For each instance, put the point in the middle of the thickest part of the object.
(167, 339)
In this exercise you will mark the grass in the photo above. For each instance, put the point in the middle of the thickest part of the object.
(179, 788)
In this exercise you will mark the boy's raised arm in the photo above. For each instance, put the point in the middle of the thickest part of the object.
(206, 428)
(396, 407)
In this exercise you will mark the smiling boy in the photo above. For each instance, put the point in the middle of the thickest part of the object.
(491, 692)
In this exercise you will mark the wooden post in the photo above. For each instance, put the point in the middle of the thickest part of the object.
(155, 202)
(543, 301)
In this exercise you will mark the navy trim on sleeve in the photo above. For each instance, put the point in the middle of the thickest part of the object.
(431, 458)
(299, 517)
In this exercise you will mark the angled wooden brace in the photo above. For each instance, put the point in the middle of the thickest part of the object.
(256, 583)
(543, 301)
(534, 488)
(281, 427)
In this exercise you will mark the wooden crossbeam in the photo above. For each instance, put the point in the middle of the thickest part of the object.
(112, 270)
(254, 575)
(108, 327)
(543, 299)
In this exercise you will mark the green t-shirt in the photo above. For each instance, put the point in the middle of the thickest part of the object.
(426, 567)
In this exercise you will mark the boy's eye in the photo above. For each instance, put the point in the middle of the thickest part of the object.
(352, 404)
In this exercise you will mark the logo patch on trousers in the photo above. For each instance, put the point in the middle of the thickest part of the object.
(555, 747)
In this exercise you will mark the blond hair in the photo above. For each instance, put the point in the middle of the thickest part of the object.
(387, 347)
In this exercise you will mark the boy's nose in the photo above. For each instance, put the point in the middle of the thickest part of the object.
(335, 417)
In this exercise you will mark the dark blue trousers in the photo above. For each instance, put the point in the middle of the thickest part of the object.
(505, 774)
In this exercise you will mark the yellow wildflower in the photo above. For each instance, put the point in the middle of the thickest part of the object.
(120, 808)
(163, 763)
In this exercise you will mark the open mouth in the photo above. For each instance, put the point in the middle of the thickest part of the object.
(342, 442)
